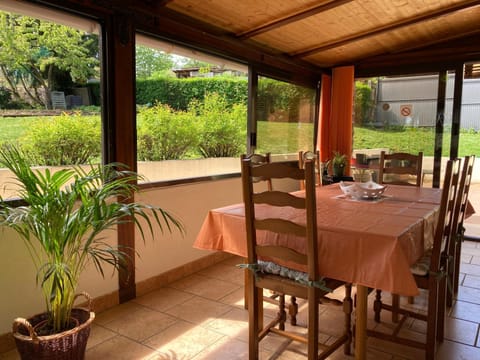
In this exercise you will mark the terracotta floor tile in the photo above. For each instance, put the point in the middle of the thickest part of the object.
(461, 331)
(99, 334)
(203, 286)
(471, 281)
(225, 272)
(184, 340)
(469, 294)
(450, 350)
(466, 311)
(10, 355)
(199, 310)
(470, 269)
(141, 324)
(119, 348)
(163, 299)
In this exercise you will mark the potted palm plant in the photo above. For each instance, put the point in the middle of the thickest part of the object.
(61, 223)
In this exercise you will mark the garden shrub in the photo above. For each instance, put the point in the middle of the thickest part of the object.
(165, 134)
(5, 97)
(222, 127)
(64, 140)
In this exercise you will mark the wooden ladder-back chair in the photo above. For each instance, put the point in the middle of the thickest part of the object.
(400, 167)
(304, 155)
(258, 159)
(430, 273)
(267, 262)
(455, 246)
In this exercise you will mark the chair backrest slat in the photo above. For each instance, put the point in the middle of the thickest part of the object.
(281, 226)
(279, 198)
(284, 253)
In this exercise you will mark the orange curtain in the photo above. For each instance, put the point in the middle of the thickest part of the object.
(336, 105)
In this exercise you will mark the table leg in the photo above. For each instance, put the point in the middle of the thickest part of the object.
(361, 323)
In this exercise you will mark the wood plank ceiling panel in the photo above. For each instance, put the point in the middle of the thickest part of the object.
(331, 33)
(402, 39)
(238, 16)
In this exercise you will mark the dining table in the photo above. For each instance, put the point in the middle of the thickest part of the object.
(370, 243)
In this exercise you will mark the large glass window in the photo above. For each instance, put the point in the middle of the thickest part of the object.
(285, 115)
(49, 88)
(399, 114)
(396, 114)
(191, 112)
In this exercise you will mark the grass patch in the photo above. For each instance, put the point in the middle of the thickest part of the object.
(12, 128)
(413, 140)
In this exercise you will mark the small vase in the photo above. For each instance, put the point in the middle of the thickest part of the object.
(338, 170)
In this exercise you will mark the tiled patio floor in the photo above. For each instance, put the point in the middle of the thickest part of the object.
(202, 317)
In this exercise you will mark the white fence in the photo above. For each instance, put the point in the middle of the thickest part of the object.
(412, 101)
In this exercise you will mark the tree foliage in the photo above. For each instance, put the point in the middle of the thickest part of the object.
(34, 52)
(151, 62)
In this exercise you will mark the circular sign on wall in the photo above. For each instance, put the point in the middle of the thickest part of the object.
(405, 110)
(386, 107)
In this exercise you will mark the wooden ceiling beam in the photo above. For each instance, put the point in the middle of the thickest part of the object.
(274, 24)
(383, 29)
(435, 58)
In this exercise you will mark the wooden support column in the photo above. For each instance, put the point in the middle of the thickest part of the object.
(456, 111)
(120, 125)
(437, 159)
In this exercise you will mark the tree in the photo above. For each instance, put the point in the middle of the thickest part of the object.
(34, 52)
(151, 62)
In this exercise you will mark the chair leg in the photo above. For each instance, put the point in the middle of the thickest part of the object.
(442, 296)
(293, 310)
(255, 294)
(313, 326)
(347, 309)
(377, 305)
(432, 318)
(452, 273)
(282, 315)
(457, 260)
(395, 307)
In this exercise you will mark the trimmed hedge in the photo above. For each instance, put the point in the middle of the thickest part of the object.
(179, 93)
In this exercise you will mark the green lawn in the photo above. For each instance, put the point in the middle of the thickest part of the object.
(12, 128)
(408, 139)
(413, 140)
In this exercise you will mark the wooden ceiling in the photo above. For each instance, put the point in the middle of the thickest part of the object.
(370, 34)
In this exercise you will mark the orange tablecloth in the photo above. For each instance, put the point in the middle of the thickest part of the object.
(369, 243)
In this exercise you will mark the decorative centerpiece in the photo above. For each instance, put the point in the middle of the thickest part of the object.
(367, 190)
